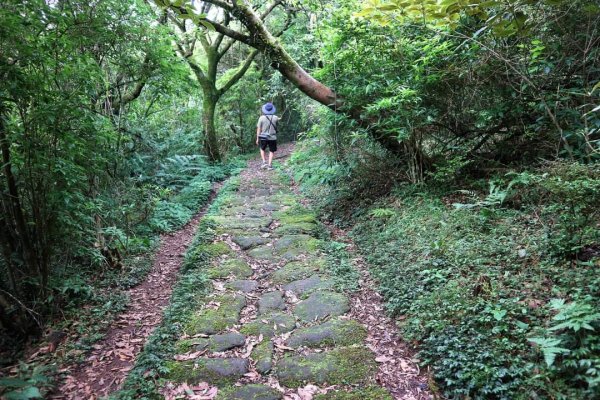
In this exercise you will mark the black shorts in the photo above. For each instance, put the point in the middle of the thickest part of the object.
(271, 143)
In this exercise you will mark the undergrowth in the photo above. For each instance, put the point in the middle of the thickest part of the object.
(146, 378)
(92, 296)
(494, 281)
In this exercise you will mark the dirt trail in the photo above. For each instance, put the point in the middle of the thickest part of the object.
(275, 326)
(106, 367)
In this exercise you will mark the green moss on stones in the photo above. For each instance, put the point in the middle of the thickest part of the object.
(271, 301)
(348, 365)
(249, 392)
(291, 246)
(322, 304)
(337, 332)
(230, 266)
(303, 287)
(296, 228)
(368, 393)
(295, 270)
(215, 249)
(269, 325)
(215, 343)
(263, 356)
(263, 253)
(216, 371)
(210, 321)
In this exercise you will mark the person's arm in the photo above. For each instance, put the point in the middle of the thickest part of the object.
(257, 132)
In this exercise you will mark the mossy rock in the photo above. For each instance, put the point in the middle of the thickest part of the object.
(216, 371)
(295, 215)
(215, 343)
(270, 207)
(298, 228)
(249, 242)
(271, 301)
(285, 199)
(292, 246)
(290, 241)
(263, 356)
(227, 223)
(263, 253)
(243, 285)
(368, 393)
(210, 321)
(243, 211)
(347, 365)
(230, 266)
(321, 304)
(337, 332)
(216, 249)
(249, 392)
(295, 270)
(269, 325)
(308, 285)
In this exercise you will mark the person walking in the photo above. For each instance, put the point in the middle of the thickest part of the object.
(266, 134)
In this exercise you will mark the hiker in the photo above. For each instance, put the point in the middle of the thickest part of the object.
(266, 134)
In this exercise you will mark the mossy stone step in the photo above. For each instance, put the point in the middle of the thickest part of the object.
(295, 270)
(291, 247)
(216, 371)
(215, 343)
(249, 392)
(263, 253)
(368, 393)
(298, 228)
(263, 356)
(347, 365)
(322, 304)
(269, 325)
(271, 206)
(305, 286)
(223, 342)
(243, 285)
(224, 268)
(215, 320)
(337, 332)
(271, 301)
(248, 242)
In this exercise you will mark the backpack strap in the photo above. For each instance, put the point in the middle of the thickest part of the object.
(271, 123)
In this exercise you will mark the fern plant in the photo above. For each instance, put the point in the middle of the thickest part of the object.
(573, 336)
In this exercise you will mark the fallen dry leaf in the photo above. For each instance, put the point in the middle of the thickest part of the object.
(188, 356)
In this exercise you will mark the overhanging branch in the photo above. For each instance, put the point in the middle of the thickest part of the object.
(241, 71)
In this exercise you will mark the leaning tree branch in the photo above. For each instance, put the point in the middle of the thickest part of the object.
(240, 72)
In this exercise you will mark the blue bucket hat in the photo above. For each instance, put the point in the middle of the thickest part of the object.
(268, 109)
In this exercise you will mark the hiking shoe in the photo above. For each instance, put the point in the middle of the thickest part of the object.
(264, 165)
(270, 168)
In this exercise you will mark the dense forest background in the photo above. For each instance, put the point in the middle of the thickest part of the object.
(461, 153)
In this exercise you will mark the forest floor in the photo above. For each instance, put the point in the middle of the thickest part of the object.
(274, 324)
(107, 365)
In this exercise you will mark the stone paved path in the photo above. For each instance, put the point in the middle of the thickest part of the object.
(274, 327)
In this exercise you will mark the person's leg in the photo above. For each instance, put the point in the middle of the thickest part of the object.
(272, 150)
(263, 146)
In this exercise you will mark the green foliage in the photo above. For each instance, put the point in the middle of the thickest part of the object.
(31, 382)
(467, 283)
(571, 345)
(169, 216)
(340, 267)
(152, 365)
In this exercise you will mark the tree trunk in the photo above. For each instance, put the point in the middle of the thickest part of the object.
(27, 250)
(211, 144)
